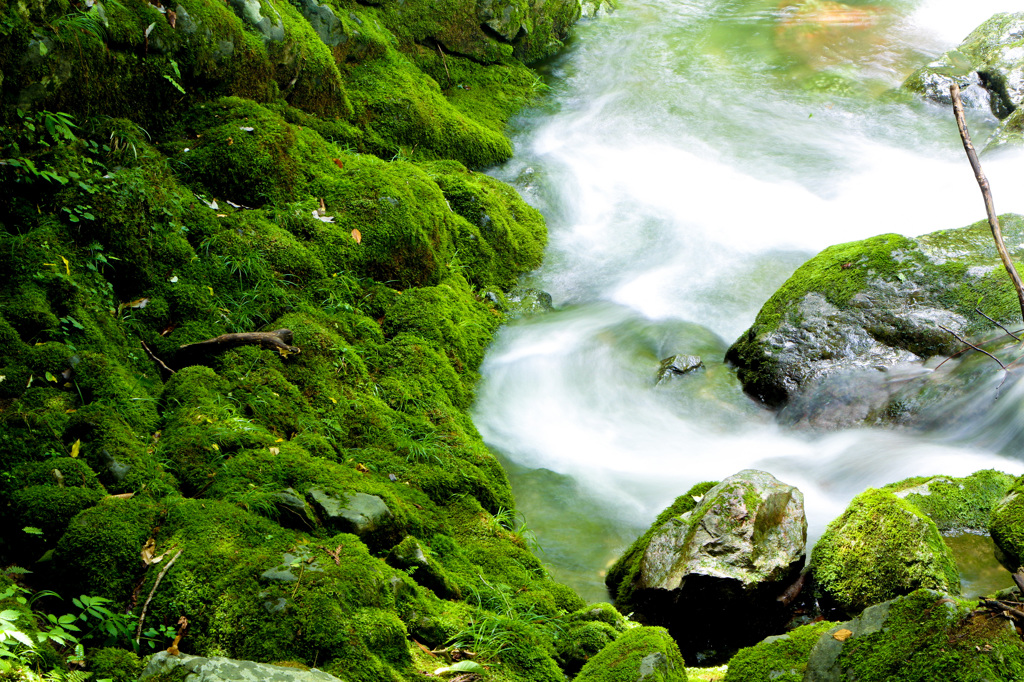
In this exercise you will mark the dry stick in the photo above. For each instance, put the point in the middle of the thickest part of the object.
(158, 360)
(138, 630)
(1015, 337)
(445, 62)
(961, 339)
(993, 220)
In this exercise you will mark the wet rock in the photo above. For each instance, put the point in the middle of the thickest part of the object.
(737, 551)
(356, 513)
(324, 21)
(522, 302)
(644, 654)
(879, 548)
(1007, 527)
(250, 11)
(292, 511)
(218, 669)
(988, 65)
(877, 305)
(588, 631)
(678, 365)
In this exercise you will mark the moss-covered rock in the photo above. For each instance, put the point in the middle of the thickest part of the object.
(642, 653)
(782, 657)
(874, 303)
(925, 635)
(987, 66)
(882, 546)
(1007, 527)
(956, 504)
(118, 665)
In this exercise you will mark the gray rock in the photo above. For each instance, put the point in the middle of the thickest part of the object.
(523, 302)
(292, 510)
(251, 13)
(356, 513)
(736, 552)
(822, 665)
(218, 669)
(324, 21)
(426, 570)
(678, 365)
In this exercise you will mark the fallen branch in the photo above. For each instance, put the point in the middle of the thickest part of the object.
(155, 358)
(1018, 580)
(1008, 332)
(986, 193)
(1003, 608)
(142, 616)
(279, 339)
(1006, 370)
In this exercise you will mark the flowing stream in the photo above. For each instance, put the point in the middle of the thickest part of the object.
(689, 156)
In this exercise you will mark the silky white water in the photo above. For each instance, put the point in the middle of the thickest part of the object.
(689, 155)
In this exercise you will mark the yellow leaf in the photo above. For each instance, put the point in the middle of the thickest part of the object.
(211, 290)
(334, 401)
(358, 236)
(279, 440)
(67, 265)
(76, 448)
(215, 447)
(842, 635)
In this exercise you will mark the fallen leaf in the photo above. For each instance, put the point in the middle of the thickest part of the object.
(358, 236)
(172, 17)
(222, 215)
(148, 551)
(67, 265)
(76, 447)
(425, 648)
(338, 163)
(360, 467)
(275, 451)
(842, 635)
(247, 129)
(231, 140)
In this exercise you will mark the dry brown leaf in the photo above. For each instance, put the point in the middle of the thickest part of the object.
(120, 496)
(231, 140)
(338, 163)
(425, 648)
(842, 635)
(148, 551)
(358, 236)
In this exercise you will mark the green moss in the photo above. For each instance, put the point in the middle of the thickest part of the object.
(118, 665)
(781, 658)
(643, 652)
(956, 504)
(1007, 526)
(880, 547)
(623, 572)
(929, 636)
(99, 553)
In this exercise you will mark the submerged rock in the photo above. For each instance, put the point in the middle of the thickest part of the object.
(874, 306)
(678, 365)
(879, 548)
(736, 552)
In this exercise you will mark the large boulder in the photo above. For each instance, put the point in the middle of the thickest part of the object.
(643, 654)
(737, 551)
(881, 547)
(876, 304)
(780, 658)
(218, 669)
(988, 66)
(926, 635)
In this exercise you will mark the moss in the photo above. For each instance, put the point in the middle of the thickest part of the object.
(930, 636)
(588, 631)
(781, 658)
(956, 504)
(880, 547)
(643, 652)
(1007, 526)
(623, 572)
(99, 553)
(118, 665)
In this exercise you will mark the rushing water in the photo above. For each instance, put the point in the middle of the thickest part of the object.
(690, 155)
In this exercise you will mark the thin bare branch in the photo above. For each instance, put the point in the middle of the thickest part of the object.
(1008, 332)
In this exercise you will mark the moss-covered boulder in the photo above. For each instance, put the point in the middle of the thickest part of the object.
(164, 666)
(956, 504)
(587, 632)
(881, 547)
(1007, 527)
(988, 66)
(739, 548)
(926, 635)
(873, 304)
(642, 654)
(780, 657)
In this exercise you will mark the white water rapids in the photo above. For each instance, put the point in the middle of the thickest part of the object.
(687, 159)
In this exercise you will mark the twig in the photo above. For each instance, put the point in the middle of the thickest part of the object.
(1008, 332)
(986, 193)
(1018, 580)
(299, 580)
(142, 617)
(155, 358)
(1006, 372)
(445, 62)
